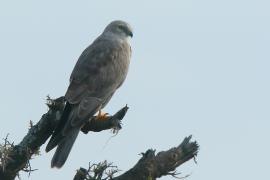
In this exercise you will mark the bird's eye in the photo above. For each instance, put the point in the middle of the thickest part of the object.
(121, 27)
(124, 30)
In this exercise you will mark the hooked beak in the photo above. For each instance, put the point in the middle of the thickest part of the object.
(130, 34)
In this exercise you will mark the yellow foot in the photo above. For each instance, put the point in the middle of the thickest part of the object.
(102, 116)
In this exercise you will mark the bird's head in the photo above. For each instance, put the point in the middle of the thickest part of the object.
(119, 28)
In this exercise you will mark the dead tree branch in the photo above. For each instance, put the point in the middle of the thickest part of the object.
(16, 157)
(150, 166)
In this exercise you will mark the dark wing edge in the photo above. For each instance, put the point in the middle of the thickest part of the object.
(57, 135)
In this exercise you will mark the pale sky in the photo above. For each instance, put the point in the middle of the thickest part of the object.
(198, 67)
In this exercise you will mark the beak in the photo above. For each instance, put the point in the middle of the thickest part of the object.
(130, 34)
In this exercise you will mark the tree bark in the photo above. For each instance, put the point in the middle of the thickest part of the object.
(149, 167)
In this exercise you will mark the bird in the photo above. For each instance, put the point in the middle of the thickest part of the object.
(100, 70)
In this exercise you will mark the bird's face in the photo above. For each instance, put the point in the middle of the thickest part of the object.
(119, 28)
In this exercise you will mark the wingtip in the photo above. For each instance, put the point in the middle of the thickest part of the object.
(53, 142)
(48, 147)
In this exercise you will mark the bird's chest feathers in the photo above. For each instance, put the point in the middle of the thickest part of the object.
(121, 58)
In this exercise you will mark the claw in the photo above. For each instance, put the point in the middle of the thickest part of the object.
(102, 116)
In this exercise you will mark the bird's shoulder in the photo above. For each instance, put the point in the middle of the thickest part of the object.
(98, 54)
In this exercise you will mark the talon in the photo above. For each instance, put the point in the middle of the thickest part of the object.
(102, 115)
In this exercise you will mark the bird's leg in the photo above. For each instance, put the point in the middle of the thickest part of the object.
(101, 115)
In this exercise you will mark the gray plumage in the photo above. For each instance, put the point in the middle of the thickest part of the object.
(99, 71)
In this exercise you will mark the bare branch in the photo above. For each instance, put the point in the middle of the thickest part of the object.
(100, 171)
(16, 157)
(152, 166)
(112, 122)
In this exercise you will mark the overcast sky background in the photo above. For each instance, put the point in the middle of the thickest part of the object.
(198, 67)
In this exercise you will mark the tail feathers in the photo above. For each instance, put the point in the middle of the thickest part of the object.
(57, 135)
(64, 147)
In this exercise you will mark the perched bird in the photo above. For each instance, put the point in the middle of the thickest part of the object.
(99, 72)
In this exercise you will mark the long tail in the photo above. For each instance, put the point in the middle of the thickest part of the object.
(64, 148)
(57, 135)
(68, 128)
